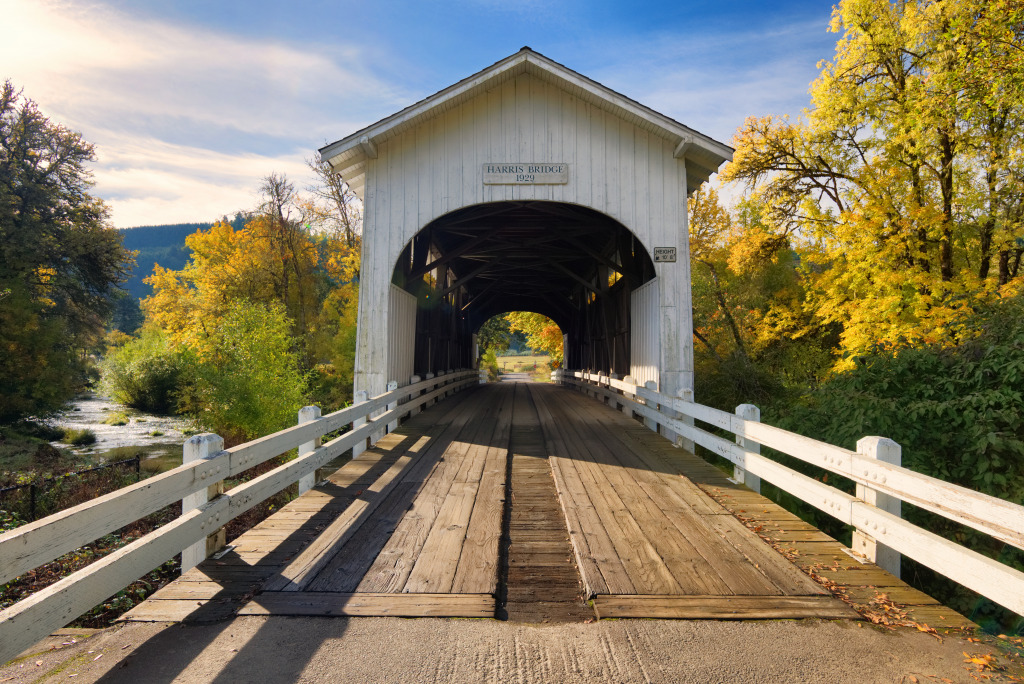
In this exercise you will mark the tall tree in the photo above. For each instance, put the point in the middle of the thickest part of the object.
(903, 182)
(60, 260)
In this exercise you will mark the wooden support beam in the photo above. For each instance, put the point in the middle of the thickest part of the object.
(368, 147)
(469, 276)
(572, 275)
(447, 257)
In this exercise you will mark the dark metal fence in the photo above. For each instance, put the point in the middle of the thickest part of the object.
(49, 495)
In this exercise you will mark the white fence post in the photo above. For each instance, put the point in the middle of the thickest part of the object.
(886, 450)
(430, 388)
(683, 442)
(613, 400)
(626, 408)
(393, 425)
(412, 397)
(650, 422)
(361, 397)
(201, 447)
(748, 412)
(308, 414)
(483, 376)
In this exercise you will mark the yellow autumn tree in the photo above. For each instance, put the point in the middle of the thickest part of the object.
(542, 334)
(900, 187)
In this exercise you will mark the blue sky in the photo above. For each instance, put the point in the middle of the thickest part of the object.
(191, 102)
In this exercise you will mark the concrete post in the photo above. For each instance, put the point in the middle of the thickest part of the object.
(202, 447)
(882, 449)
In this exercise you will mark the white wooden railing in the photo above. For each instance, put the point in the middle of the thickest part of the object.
(881, 484)
(198, 483)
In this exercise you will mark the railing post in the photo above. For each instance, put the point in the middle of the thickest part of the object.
(201, 447)
(361, 397)
(613, 400)
(392, 405)
(748, 412)
(308, 414)
(430, 388)
(681, 441)
(650, 422)
(627, 408)
(602, 381)
(882, 449)
(483, 376)
(412, 398)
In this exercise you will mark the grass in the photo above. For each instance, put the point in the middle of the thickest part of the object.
(76, 437)
(117, 418)
(539, 367)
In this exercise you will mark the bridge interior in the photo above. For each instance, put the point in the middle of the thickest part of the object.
(528, 502)
(573, 264)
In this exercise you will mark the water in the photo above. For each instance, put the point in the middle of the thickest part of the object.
(157, 439)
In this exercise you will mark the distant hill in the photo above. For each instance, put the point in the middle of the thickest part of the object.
(164, 245)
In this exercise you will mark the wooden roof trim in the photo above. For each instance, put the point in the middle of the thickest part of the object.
(341, 154)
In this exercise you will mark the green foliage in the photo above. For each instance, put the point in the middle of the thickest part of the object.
(490, 364)
(252, 384)
(60, 262)
(958, 414)
(79, 437)
(494, 333)
(144, 373)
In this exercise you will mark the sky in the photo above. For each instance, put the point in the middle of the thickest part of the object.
(190, 103)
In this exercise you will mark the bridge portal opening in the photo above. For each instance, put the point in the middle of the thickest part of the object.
(575, 265)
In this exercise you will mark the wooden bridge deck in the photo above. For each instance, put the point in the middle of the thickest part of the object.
(419, 525)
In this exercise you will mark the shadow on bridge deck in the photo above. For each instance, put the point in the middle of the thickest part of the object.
(428, 523)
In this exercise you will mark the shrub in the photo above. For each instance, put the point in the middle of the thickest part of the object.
(251, 384)
(490, 363)
(144, 373)
(77, 437)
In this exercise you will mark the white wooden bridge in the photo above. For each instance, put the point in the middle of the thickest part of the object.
(524, 187)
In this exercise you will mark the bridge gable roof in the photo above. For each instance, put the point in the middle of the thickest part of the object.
(703, 154)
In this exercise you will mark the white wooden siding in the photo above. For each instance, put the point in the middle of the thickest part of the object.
(401, 335)
(645, 333)
(616, 168)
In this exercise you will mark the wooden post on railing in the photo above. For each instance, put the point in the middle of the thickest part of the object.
(201, 447)
(393, 425)
(886, 450)
(650, 422)
(613, 400)
(361, 397)
(453, 387)
(429, 389)
(483, 376)
(681, 441)
(748, 412)
(626, 408)
(412, 398)
(602, 381)
(307, 414)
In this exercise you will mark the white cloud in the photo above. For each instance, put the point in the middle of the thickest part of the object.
(186, 120)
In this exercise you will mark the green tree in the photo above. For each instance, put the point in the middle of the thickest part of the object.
(60, 261)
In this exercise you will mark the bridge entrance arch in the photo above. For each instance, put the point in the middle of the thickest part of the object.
(570, 263)
(526, 186)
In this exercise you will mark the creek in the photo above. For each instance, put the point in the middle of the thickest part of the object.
(156, 439)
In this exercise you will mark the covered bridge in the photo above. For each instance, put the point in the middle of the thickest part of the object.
(526, 187)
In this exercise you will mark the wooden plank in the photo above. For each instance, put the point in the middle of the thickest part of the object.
(395, 562)
(722, 607)
(184, 610)
(31, 619)
(371, 604)
(314, 557)
(695, 573)
(596, 557)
